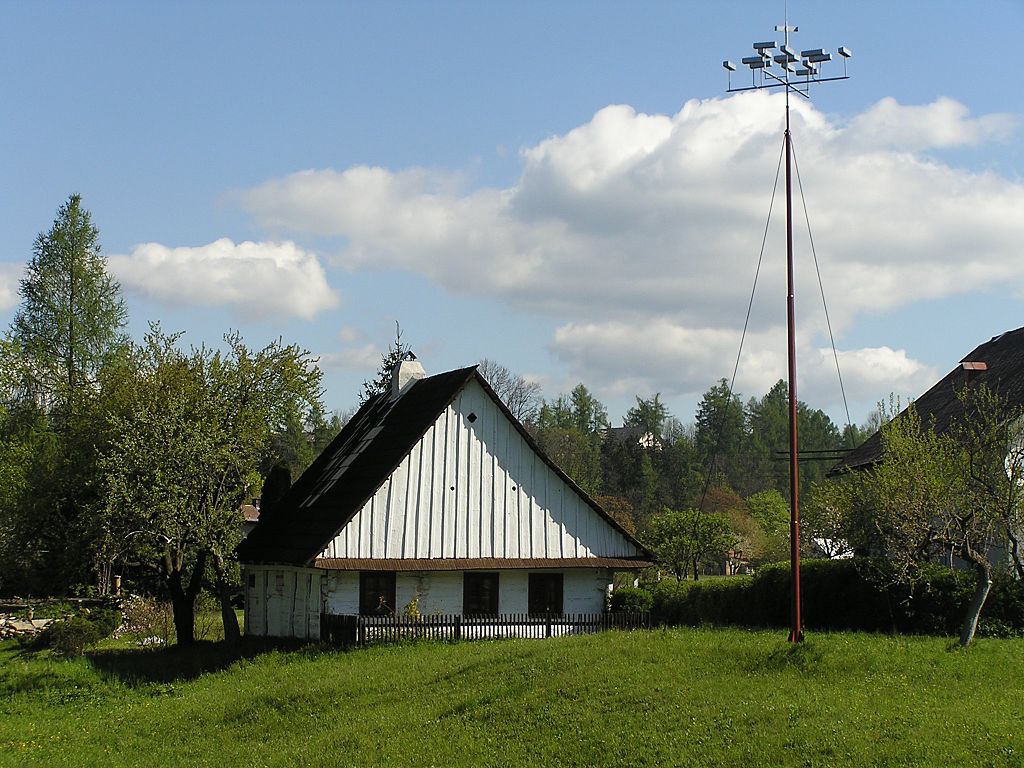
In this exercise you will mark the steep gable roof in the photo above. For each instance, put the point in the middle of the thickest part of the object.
(1002, 372)
(357, 463)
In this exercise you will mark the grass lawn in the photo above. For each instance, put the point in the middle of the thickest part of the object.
(658, 698)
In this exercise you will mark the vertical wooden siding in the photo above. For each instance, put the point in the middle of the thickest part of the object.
(476, 489)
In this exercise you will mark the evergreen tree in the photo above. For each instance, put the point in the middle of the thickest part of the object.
(397, 352)
(649, 415)
(71, 316)
(721, 437)
(60, 381)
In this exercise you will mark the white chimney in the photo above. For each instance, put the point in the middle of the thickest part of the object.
(404, 375)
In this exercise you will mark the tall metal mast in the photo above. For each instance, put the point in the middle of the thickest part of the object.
(806, 68)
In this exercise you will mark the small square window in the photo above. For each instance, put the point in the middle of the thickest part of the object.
(377, 593)
(480, 593)
(545, 593)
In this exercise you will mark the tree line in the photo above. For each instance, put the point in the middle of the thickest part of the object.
(693, 492)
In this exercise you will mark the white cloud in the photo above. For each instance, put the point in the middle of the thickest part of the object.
(361, 358)
(349, 334)
(10, 279)
(255, 279)
(641, 232)
(664, 357)
(941, 124)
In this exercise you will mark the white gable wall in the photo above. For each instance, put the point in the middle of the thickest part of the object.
(475, 488)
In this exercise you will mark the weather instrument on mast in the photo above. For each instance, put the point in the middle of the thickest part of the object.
(779, 66)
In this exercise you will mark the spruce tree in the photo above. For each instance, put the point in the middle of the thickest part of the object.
(71, 316)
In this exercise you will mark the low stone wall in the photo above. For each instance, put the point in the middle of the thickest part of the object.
(11, 626)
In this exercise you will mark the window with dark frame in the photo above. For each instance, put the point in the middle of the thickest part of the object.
(480, 593)
(377, 593)
(545, 593)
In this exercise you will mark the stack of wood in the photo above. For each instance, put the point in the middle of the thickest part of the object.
(12, 626)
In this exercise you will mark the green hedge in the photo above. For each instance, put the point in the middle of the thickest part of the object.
(841, 595)
(631, 600)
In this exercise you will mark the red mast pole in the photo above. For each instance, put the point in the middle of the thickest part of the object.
(796, 633)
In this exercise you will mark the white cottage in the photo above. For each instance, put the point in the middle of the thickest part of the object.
(432, 493)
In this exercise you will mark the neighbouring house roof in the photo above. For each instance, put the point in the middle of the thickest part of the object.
(359, 461)
(250, 513)
(998, 363)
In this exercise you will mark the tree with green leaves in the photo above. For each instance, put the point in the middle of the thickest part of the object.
(950, 494)
(650, 415)
(771, 512)
(575, 453)
(768, 424)
(187, 452)
(721, 436)
(66, 336)
(684, 539)
(568, 429)
(71, 316)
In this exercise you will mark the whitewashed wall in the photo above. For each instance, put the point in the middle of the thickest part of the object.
(286, 601)
(475, 488)
(283, 601)
(583, 591)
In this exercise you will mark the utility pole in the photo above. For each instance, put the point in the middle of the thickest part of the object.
(805, 71)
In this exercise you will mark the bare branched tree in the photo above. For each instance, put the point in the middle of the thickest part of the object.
(521, 396)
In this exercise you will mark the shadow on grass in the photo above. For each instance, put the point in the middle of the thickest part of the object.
(172, 664)
(805, 656)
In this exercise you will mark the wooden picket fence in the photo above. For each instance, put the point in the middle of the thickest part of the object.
(350, 630)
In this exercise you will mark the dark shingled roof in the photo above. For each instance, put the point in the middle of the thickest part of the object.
(1003, 358)
(294, 533)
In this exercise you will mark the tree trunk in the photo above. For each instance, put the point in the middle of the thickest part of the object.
(1015, 554)
(970, 625)
(695, 569)
(184, 616)
(232, 633)
(183, 599)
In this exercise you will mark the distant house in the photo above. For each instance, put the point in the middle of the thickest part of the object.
(432, 494)
(998, 363)
(632, 436)
(250, 516)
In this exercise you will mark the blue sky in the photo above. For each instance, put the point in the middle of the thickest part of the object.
(562, 187)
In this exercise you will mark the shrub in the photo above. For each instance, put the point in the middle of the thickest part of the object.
(856, 594)
(631, 600)
(670, 605)
(147, 618)
(70, 637)
(106, 620)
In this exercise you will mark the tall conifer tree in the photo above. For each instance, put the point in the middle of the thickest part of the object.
(71, 313)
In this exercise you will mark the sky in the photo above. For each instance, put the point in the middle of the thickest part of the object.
(565, 188)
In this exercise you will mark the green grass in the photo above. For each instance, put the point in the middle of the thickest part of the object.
(660, 698)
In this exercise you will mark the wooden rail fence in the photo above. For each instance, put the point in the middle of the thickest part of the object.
(350, 630)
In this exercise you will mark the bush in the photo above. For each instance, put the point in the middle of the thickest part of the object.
(856, 594)
(70, 637)
(106, 620)
(147, 618)
(631, 600)
(670, 605)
